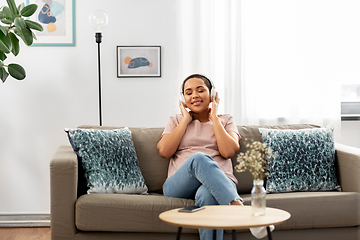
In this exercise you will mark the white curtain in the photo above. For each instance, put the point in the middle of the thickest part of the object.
(272, 62)
(209, 44)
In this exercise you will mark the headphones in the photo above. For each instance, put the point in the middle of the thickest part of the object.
(211, 86)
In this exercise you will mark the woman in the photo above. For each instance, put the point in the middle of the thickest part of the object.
(201, 143)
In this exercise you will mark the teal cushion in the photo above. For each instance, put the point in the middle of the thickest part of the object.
(304, 160)
(109, 160)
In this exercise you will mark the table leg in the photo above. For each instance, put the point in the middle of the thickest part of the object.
(234, 234)
(269, 233)
(214, 234)
(178, 233)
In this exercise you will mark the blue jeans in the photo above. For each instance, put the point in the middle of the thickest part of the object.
(201, 178)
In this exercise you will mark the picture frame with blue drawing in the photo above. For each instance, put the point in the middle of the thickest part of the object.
(58, 20)
(138, 61)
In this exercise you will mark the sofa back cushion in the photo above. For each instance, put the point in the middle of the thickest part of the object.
(154, 167)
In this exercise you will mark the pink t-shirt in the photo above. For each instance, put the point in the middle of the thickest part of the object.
(200, 137)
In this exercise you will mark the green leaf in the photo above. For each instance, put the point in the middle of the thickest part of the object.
(34, 36)
(3, 74)
(25, 34)
(15, 44)
(5, 43)
(16, 71)
(2, 56)
(6, 21)
(20, 22)
(12, 7)
(4, 29)
(28, 10)
(2, 15)
(8, 15)
(21, 7)
(34, 25)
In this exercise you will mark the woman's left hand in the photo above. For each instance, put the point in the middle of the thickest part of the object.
(214, 108)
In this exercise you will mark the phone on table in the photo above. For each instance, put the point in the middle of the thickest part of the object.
(191, 209)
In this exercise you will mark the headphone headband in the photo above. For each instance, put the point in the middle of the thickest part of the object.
(202, 77)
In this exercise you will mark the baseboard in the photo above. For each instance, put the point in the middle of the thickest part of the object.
(24, 220)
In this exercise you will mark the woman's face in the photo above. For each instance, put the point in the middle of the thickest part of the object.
(196, 95)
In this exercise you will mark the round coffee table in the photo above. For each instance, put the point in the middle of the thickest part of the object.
(227, 217)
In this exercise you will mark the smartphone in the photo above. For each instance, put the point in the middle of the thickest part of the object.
(191, 209)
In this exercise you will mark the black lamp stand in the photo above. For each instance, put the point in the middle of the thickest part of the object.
(98, 41)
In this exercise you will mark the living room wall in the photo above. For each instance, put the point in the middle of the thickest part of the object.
(61, 88)
(61, 91)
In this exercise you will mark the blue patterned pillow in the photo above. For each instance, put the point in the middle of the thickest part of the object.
(304, 160)
(109, 160)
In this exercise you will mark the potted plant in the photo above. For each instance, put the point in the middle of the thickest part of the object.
(15, 26)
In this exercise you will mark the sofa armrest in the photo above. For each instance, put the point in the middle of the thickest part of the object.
(63, 193)
(348, 163)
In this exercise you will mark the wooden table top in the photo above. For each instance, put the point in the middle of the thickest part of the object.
(224, 217)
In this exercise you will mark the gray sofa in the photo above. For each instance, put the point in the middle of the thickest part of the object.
(77, 215)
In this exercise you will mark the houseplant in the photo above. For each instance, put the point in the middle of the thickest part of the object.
(256, 160)
(15, 26)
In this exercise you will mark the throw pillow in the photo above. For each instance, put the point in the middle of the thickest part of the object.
(304, 160)
(109, 160)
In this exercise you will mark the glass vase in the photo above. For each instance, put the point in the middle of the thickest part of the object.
(258, 198)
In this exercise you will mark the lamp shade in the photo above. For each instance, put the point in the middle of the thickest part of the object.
(98, 20)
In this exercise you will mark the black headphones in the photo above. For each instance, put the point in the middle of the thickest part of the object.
(210, 85)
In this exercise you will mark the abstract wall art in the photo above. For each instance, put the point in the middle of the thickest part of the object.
(58, 20)
(138, 61)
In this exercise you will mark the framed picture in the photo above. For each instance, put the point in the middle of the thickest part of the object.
(58, 20)
(138, 61)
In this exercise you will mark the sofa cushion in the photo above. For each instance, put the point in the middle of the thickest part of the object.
(153, 166)
(109, 160)
(126, 212)
(139, 213)
(317, 209)
(304, 160)
(252, 132)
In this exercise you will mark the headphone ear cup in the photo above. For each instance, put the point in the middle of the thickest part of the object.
(182, 99)
(212, 94)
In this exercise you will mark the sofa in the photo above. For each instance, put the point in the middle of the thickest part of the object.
(78, 215)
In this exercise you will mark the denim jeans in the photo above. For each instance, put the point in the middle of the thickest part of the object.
(201, 178)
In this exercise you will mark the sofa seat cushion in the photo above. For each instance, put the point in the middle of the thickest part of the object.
(139, 213)
(315, 209)
(126, 212)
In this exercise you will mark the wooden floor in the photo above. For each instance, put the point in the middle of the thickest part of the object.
(30, 233)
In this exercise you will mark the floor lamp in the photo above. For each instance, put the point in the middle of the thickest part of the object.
(99, 20)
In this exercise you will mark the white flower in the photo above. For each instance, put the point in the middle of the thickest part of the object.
(255, 160)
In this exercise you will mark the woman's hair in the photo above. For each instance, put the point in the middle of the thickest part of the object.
(206, 80)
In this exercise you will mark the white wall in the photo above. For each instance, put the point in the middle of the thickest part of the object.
(61, 90)
(61, 85)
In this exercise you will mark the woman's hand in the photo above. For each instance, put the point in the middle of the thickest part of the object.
(214, 109)
(169, 143)
(228, 142)
(187, 117)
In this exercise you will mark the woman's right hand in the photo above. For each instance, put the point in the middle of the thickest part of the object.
(187, 116)
(169, 143)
